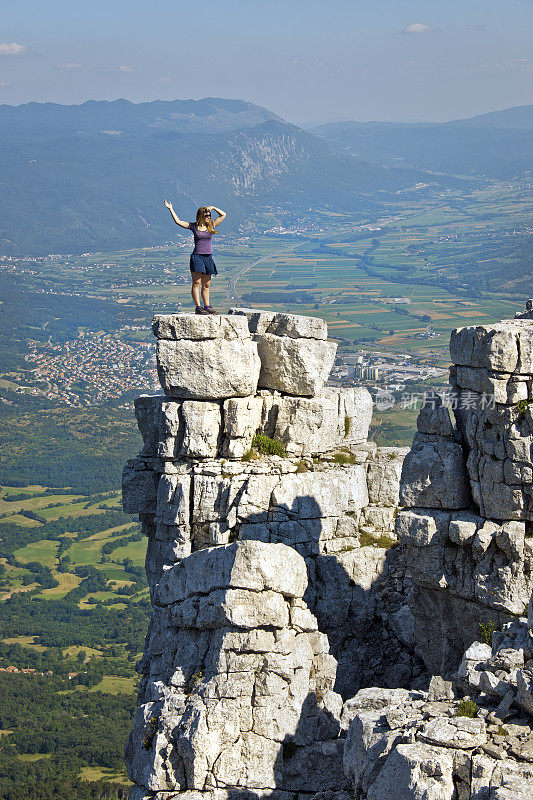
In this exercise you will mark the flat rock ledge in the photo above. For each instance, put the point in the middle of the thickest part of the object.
(214, 357)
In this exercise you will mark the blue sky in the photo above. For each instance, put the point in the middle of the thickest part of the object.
(307, 61)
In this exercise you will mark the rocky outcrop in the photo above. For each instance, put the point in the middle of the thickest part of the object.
(465, 535)
(293, 564)
(237, 680)
(265, 569)
(470, 739)
(205, 359)
(467, 486)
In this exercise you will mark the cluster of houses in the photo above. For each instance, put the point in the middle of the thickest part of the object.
(94, 368)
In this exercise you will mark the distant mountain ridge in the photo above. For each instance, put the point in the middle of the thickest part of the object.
(93, 177)
(34, 122)
(517, 117)
(498, 144)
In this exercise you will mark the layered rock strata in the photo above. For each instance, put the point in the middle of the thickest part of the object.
(467, 486)
(237, 692)
(237, 682)
(275, 585)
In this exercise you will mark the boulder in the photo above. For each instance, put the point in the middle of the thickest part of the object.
(434, 475)
(208, 369)
(293, 325)
(294, 366)
(486, 347)
(197, 328)
(249, 565)
(456, 732)
(414, 771)
(384, 473)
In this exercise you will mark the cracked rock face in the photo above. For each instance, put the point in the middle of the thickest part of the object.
(278, 588)
(254, 562)
(237, 680)
(182, 429)
(409, 745)
(295, 357)
(467, 487)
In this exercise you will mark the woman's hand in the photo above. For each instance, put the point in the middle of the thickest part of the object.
(221, 215)
(175, 217)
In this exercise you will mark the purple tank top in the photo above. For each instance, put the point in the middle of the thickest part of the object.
(203, 244)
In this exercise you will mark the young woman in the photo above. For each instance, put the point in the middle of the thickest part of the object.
(201, 264)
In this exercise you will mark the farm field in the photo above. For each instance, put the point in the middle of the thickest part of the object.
(69, 550)
(74, 610)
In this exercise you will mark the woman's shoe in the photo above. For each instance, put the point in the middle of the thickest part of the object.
(201, 310)
(210, 310)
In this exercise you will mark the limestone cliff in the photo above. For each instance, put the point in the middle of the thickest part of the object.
(287, 584)
(469, 486)
(256, 666)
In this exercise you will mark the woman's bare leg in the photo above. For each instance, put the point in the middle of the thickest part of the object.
(206, 280)
(195, 289)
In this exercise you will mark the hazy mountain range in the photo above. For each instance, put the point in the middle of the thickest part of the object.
(496, 145)
(94, 176)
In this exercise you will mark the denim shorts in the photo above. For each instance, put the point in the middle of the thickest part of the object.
(205, 264)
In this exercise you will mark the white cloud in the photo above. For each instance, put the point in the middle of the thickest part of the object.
(418, 27)
(124, 68)
(12, 49)
(69, 65)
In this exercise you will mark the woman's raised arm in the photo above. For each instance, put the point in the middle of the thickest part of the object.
(175, 217)
(221, 215)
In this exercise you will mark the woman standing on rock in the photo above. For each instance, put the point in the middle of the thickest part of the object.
(201, 264)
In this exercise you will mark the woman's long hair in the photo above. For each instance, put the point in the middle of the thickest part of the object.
(200, 217)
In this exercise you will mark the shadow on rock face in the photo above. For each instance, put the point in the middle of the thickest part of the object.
(236, 689)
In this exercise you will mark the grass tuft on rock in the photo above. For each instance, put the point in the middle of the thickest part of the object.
(486, 630)
(267, 446)
(344, 458)
(347, 426)
(367, 540)
(467, 708)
